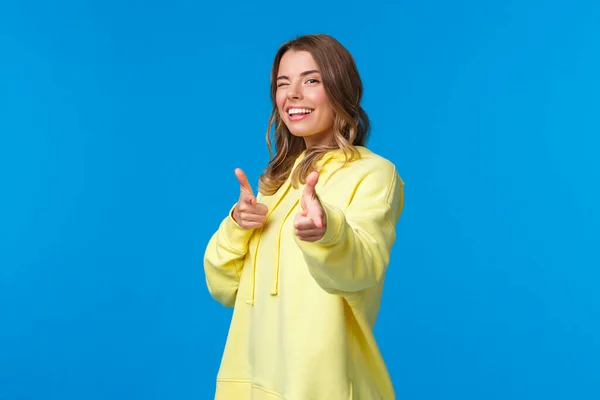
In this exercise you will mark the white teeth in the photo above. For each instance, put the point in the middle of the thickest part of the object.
(293, 111)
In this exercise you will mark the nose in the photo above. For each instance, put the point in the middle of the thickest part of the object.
(294, 93)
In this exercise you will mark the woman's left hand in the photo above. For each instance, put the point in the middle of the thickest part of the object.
(310, 225)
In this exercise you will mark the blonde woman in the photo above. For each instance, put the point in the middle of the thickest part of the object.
(303, 262)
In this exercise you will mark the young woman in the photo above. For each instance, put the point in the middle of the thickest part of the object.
(303, 262)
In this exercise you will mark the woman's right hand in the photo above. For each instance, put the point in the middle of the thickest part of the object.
(248, 213)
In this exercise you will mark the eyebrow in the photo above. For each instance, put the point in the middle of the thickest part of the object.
(312, 71)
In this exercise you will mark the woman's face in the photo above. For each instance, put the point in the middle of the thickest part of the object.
(301, 98)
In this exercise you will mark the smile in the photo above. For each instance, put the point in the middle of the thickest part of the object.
(297, 114)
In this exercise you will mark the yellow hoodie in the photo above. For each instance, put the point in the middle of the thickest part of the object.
(302, 325)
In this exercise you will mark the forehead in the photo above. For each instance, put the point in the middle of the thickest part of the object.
(295, 62)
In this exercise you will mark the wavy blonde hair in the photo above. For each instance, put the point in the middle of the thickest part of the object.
(344, 89)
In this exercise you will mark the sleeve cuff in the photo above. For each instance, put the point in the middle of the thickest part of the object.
(336, 221)
(234, 233)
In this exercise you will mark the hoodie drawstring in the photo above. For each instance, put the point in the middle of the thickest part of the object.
(277, 251)
(251, 301)
(277, 264)
(275, 285)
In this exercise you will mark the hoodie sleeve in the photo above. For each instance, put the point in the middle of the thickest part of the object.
(355, 251)
(224, 258)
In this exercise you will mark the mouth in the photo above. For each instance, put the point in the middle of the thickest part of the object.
(298, 113)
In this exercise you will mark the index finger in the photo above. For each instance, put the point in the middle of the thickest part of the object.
(244, 184)
(311, 182)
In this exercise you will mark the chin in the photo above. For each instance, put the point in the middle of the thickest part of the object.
(300, 131)
(305, 130)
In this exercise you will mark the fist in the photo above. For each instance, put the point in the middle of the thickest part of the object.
(310, 224)
(248, 213)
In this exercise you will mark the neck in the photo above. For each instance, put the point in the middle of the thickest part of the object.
(319, 139)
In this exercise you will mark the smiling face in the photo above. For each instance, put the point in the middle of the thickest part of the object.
(301, 99)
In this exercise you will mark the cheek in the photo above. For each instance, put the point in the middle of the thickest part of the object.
(319, 98)
(280, 100)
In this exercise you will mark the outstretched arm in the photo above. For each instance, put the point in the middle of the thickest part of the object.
(349, 250)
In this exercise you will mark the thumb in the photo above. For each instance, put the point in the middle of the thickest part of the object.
(244, 184)
(319, 222)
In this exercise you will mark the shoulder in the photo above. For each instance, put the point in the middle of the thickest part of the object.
(370, 175)
(374, 166)
(364, 183)
(371, 160)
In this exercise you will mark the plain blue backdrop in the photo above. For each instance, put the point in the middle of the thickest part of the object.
(121, 123)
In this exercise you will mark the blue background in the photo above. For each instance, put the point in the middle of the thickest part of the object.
(121, 123)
